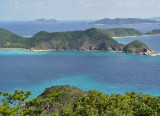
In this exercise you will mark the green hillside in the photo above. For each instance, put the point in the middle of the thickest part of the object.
(90, 39)
(11, 40)
(72, 101)
(137, 47)
(120, 32)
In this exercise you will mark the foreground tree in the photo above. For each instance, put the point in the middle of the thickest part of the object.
(16, 100)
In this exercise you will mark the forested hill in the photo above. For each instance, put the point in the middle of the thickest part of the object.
(120, 21)
(72, 101)
(11, 40)
(120, 32)
(90, 39)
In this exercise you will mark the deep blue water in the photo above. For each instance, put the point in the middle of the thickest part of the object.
(109, 72)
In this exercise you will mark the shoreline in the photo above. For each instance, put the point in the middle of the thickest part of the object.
(134, 36)
(28, 50)
(154, 53)
(12, 48)
(42, 50)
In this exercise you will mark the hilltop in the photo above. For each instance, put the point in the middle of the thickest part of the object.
(120, 21)
(137, 47)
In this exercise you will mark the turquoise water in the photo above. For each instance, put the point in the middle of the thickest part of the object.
(109, 72)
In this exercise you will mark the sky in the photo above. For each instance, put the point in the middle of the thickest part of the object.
(21, 10)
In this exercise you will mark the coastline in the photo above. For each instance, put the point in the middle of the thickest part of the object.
(42, 50)
(134, 36)
(12, 48)
(154, 53)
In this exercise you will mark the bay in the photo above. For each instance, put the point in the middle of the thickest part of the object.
(109, 72)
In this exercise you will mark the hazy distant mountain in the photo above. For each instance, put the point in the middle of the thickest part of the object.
(43, 20)
(155, 18)
(120, 21)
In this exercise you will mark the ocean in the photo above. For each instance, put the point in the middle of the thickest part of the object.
(109, 72)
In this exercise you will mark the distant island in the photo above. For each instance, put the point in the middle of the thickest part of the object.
(89, 40)
(120, 21)
(155, 18)
(43, 20)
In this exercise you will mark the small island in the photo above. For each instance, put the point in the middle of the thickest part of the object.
(89, 40)
(43, 20)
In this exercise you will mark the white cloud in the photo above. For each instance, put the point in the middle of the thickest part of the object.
(127, 4)
(152, 3)
(26, 4)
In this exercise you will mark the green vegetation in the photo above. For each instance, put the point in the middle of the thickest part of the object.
(137, 47)
(17, 99)
(154, 32)
(120, 21)
(11, 40)
(72, 101)
(120, 32)
(90, 39)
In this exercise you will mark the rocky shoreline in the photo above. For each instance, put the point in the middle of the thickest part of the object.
(147, 52)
